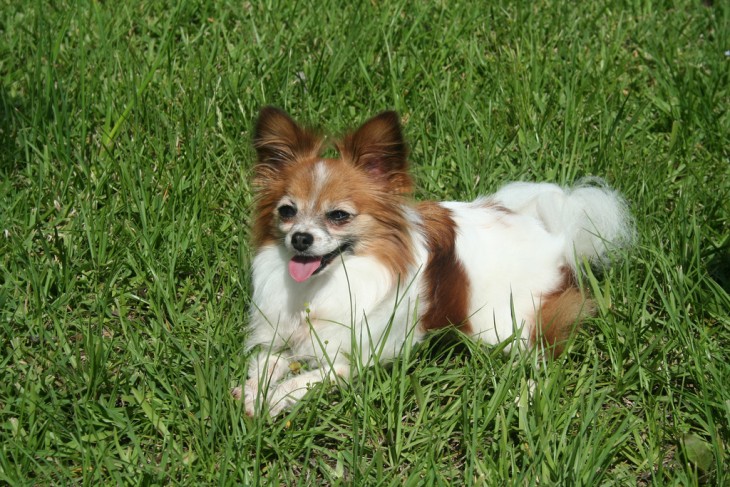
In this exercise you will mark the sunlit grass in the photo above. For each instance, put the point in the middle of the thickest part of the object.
(125, 203)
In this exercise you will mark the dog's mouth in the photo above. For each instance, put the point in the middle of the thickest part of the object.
(302, 267)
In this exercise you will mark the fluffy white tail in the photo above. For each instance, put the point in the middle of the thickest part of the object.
(593, 217)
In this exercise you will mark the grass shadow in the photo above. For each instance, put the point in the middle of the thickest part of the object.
(719, 267)
(9, 107)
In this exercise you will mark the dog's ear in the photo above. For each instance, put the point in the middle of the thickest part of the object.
(278, 140)
(378, 148)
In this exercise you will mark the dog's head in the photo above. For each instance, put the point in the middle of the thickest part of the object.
(320, 209)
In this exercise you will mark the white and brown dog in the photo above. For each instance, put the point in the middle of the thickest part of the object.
(347, 263)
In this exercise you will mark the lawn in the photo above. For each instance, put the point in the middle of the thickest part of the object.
(125, 217)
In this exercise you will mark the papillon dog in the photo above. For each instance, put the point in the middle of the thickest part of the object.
(348, 267)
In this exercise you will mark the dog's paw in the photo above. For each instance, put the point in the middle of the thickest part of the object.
(248, 394)
(279, 403)
(237, 392)
(289, 392)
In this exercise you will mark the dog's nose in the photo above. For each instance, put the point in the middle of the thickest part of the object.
(301, 241)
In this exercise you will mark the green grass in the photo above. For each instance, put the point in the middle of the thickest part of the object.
(125, 211)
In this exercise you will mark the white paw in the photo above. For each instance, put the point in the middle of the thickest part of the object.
(248, 394)
(279, 405)
(236, 392)
(286, 394)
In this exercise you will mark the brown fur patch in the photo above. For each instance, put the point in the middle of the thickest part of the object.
(447, 285)
(280, 144)
(560, 313)
(378, 147)
(380, 228)
(371, 177)
(278, 141)
(493, 204)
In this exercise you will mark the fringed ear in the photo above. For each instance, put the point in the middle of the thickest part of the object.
(279, 141)
(379, 149)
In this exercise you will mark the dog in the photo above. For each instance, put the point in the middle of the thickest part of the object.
(348, 267)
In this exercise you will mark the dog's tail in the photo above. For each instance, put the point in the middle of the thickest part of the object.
(593, 218)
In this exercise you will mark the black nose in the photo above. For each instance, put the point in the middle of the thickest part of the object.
(301, 241)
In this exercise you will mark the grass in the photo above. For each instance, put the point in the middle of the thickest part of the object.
(125, 216)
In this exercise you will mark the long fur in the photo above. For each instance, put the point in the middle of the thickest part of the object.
(346, 263)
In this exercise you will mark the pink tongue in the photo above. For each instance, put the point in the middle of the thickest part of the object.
(301, 268)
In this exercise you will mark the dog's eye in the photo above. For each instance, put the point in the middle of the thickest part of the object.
(287, 211)
(338, 216)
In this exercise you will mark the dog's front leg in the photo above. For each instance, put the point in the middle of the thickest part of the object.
(290, 391)
(264, 370)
